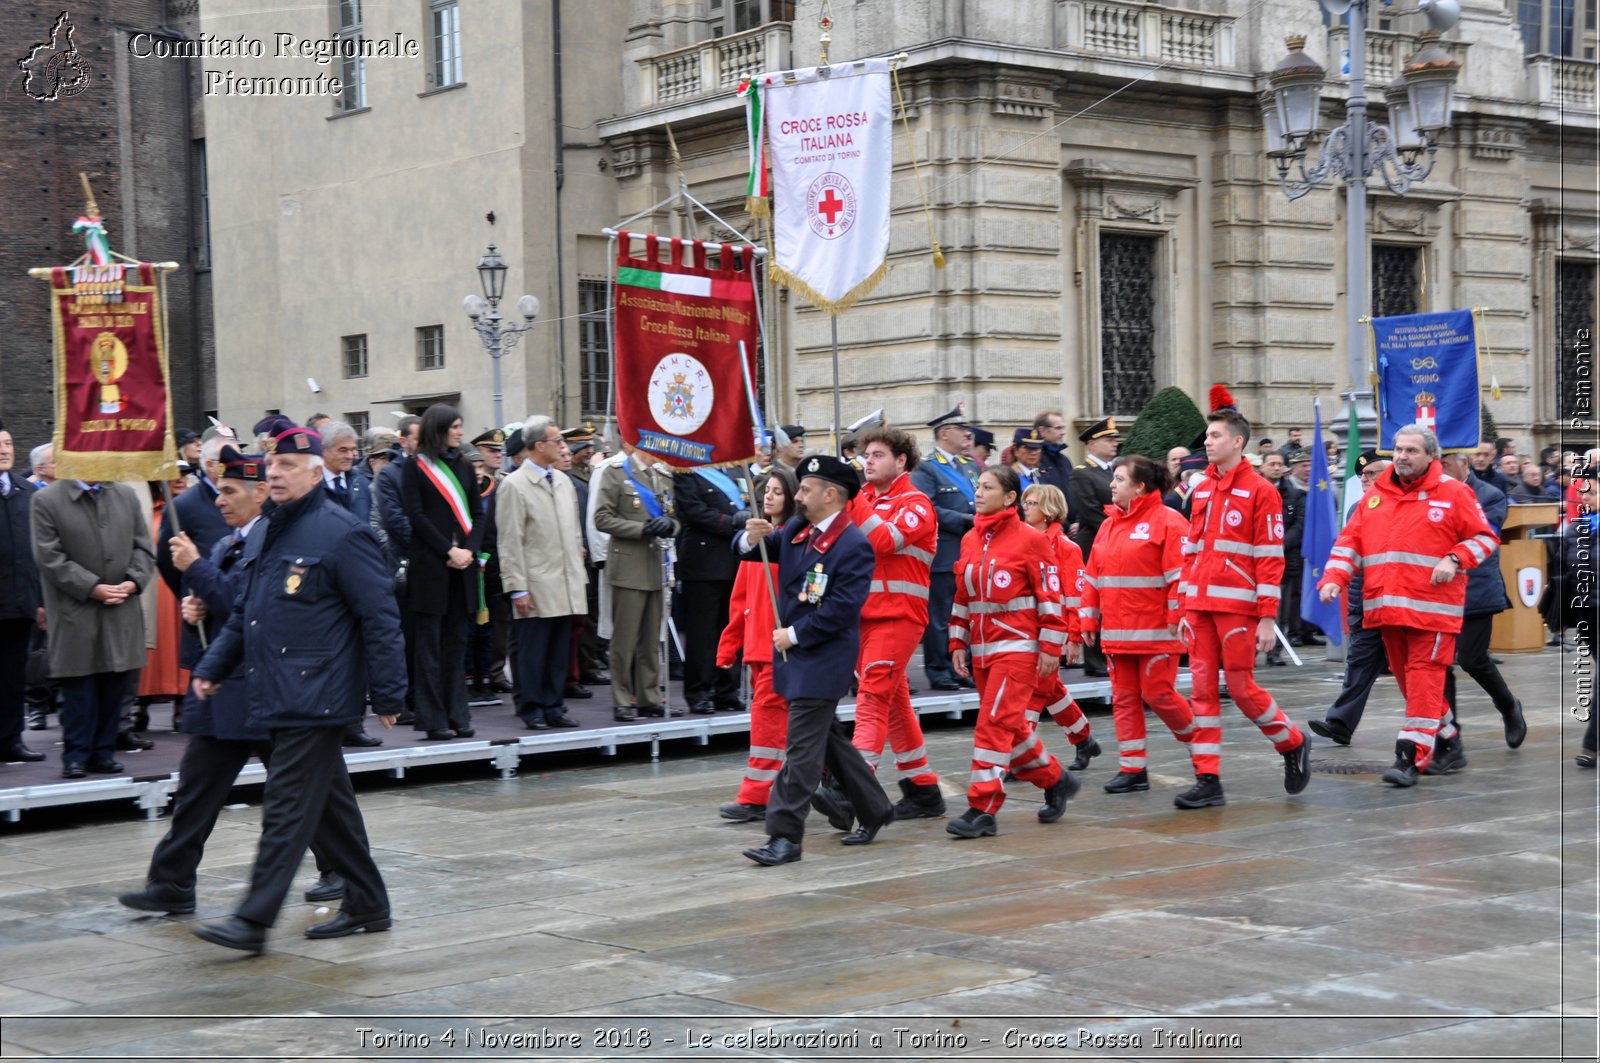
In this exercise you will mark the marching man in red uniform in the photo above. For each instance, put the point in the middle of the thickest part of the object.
(1008, 620)
(1414, 535)
(1231, 587)
(900, 523)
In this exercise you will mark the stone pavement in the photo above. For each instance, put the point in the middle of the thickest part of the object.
(1453, 921)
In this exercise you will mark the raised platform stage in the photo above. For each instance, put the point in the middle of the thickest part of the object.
(501, 740)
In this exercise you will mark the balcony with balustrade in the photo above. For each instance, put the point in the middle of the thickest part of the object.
(1566, 89)
(1167, 35)
(711, 68)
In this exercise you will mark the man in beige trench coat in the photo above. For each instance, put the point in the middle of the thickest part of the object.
(540, 539)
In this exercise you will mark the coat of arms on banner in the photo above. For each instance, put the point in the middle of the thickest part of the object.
(681, 394)
(1530, 586)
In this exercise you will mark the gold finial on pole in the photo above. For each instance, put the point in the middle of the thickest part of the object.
(826, 24)
(90, 207)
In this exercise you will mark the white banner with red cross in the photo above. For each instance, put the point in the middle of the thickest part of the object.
(829, 130)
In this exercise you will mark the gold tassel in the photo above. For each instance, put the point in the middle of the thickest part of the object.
(826, 305)
(911, 150)
(758, 207)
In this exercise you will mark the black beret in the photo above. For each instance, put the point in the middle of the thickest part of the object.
(829, 468)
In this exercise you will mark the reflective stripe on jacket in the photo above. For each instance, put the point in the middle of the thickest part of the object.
(1397, 535)
(903, 529)
(1008, 594)
(1235, 544)
(1130, 594)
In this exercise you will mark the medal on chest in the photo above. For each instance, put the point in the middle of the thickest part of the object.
(815, 585)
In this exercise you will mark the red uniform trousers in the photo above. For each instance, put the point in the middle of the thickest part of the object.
(1418, 660)
(883, 699)
(1052, 696)
(1228, 641)
(769, 733)
(1005, 739)
(1140, 679)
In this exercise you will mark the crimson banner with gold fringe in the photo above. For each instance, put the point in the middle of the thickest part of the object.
(680, 319)
(113, 406)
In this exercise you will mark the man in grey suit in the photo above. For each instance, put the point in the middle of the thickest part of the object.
(95, 556)
(634, 506)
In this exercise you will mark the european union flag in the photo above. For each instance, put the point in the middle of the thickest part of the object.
(1316, 546)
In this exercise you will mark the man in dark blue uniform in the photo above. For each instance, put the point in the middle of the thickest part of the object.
(949, 478)
(221, 739)
(314, 625)
(824, 573)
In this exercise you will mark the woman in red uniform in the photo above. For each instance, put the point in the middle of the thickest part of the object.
(1130, 603)
(749, 631)
(1044, 507)
(1007, 620)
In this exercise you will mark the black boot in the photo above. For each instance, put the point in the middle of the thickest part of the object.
(1207, 790)
(1126, 782)
(1404, 770)
(1449, 754)
(37, 714)
(1087, 751)
(832, 802)
(919, 801)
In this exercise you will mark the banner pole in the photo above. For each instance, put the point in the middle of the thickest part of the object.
(177, 529)
(833, 320)
(755, 417)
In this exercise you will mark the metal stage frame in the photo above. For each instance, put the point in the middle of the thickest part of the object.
(153, 793)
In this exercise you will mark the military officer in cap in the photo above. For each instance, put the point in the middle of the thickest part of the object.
(491, 442)
(316, 627)
(634, 506)
(790, 454)
(587, 647)
(949, 478)
(1088, 494)
(982, 448)
(825, 568)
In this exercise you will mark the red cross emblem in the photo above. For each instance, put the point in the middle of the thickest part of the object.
(1426, 417)
(831, 205)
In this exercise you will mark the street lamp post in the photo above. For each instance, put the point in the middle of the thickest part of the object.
(1420, 101)
(484, 310)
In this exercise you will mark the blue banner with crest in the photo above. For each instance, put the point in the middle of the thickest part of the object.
(1428, 375)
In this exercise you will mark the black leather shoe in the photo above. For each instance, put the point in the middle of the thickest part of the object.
(330, 887)
(160, 897)
(1056, 798)
(740, 812)
(344, 924)
(945, 684)
(1448, 755)
(560, 719)
(442, 735)
(500, 686)
(538, 724)
(16, 752)
(1404, 770)
(624, 713)
(865, 831)
(832, 803)
(1206, 791)
(703, 708)
(578, 692)
(465, 732)
(972, 824)
(731, 705)
(1086, 752)
(361, 738)
(595, 679)
(967, 682)
(103, 766)
(653, 710)
(1126, 782)
(1516, 727)
(72, 770)
(776, 851)
(234, 933)
(133, 741)
(1297, 766)
(926, 802)
(1333, 730)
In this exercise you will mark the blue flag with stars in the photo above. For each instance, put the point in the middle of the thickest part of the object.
(1316, 546)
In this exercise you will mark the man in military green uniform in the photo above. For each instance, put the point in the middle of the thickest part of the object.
(633, 505)
(486, 656)
(1089, 495)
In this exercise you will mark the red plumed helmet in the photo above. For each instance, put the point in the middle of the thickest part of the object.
(1222, 399)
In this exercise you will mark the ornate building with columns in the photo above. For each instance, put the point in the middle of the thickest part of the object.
(1096, 170)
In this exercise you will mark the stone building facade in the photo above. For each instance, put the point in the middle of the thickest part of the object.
(1096, 171)
(137, 129)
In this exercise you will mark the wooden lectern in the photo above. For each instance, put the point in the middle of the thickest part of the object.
(1521, 629)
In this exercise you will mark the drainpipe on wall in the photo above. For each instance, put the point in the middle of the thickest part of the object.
(559, 406)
